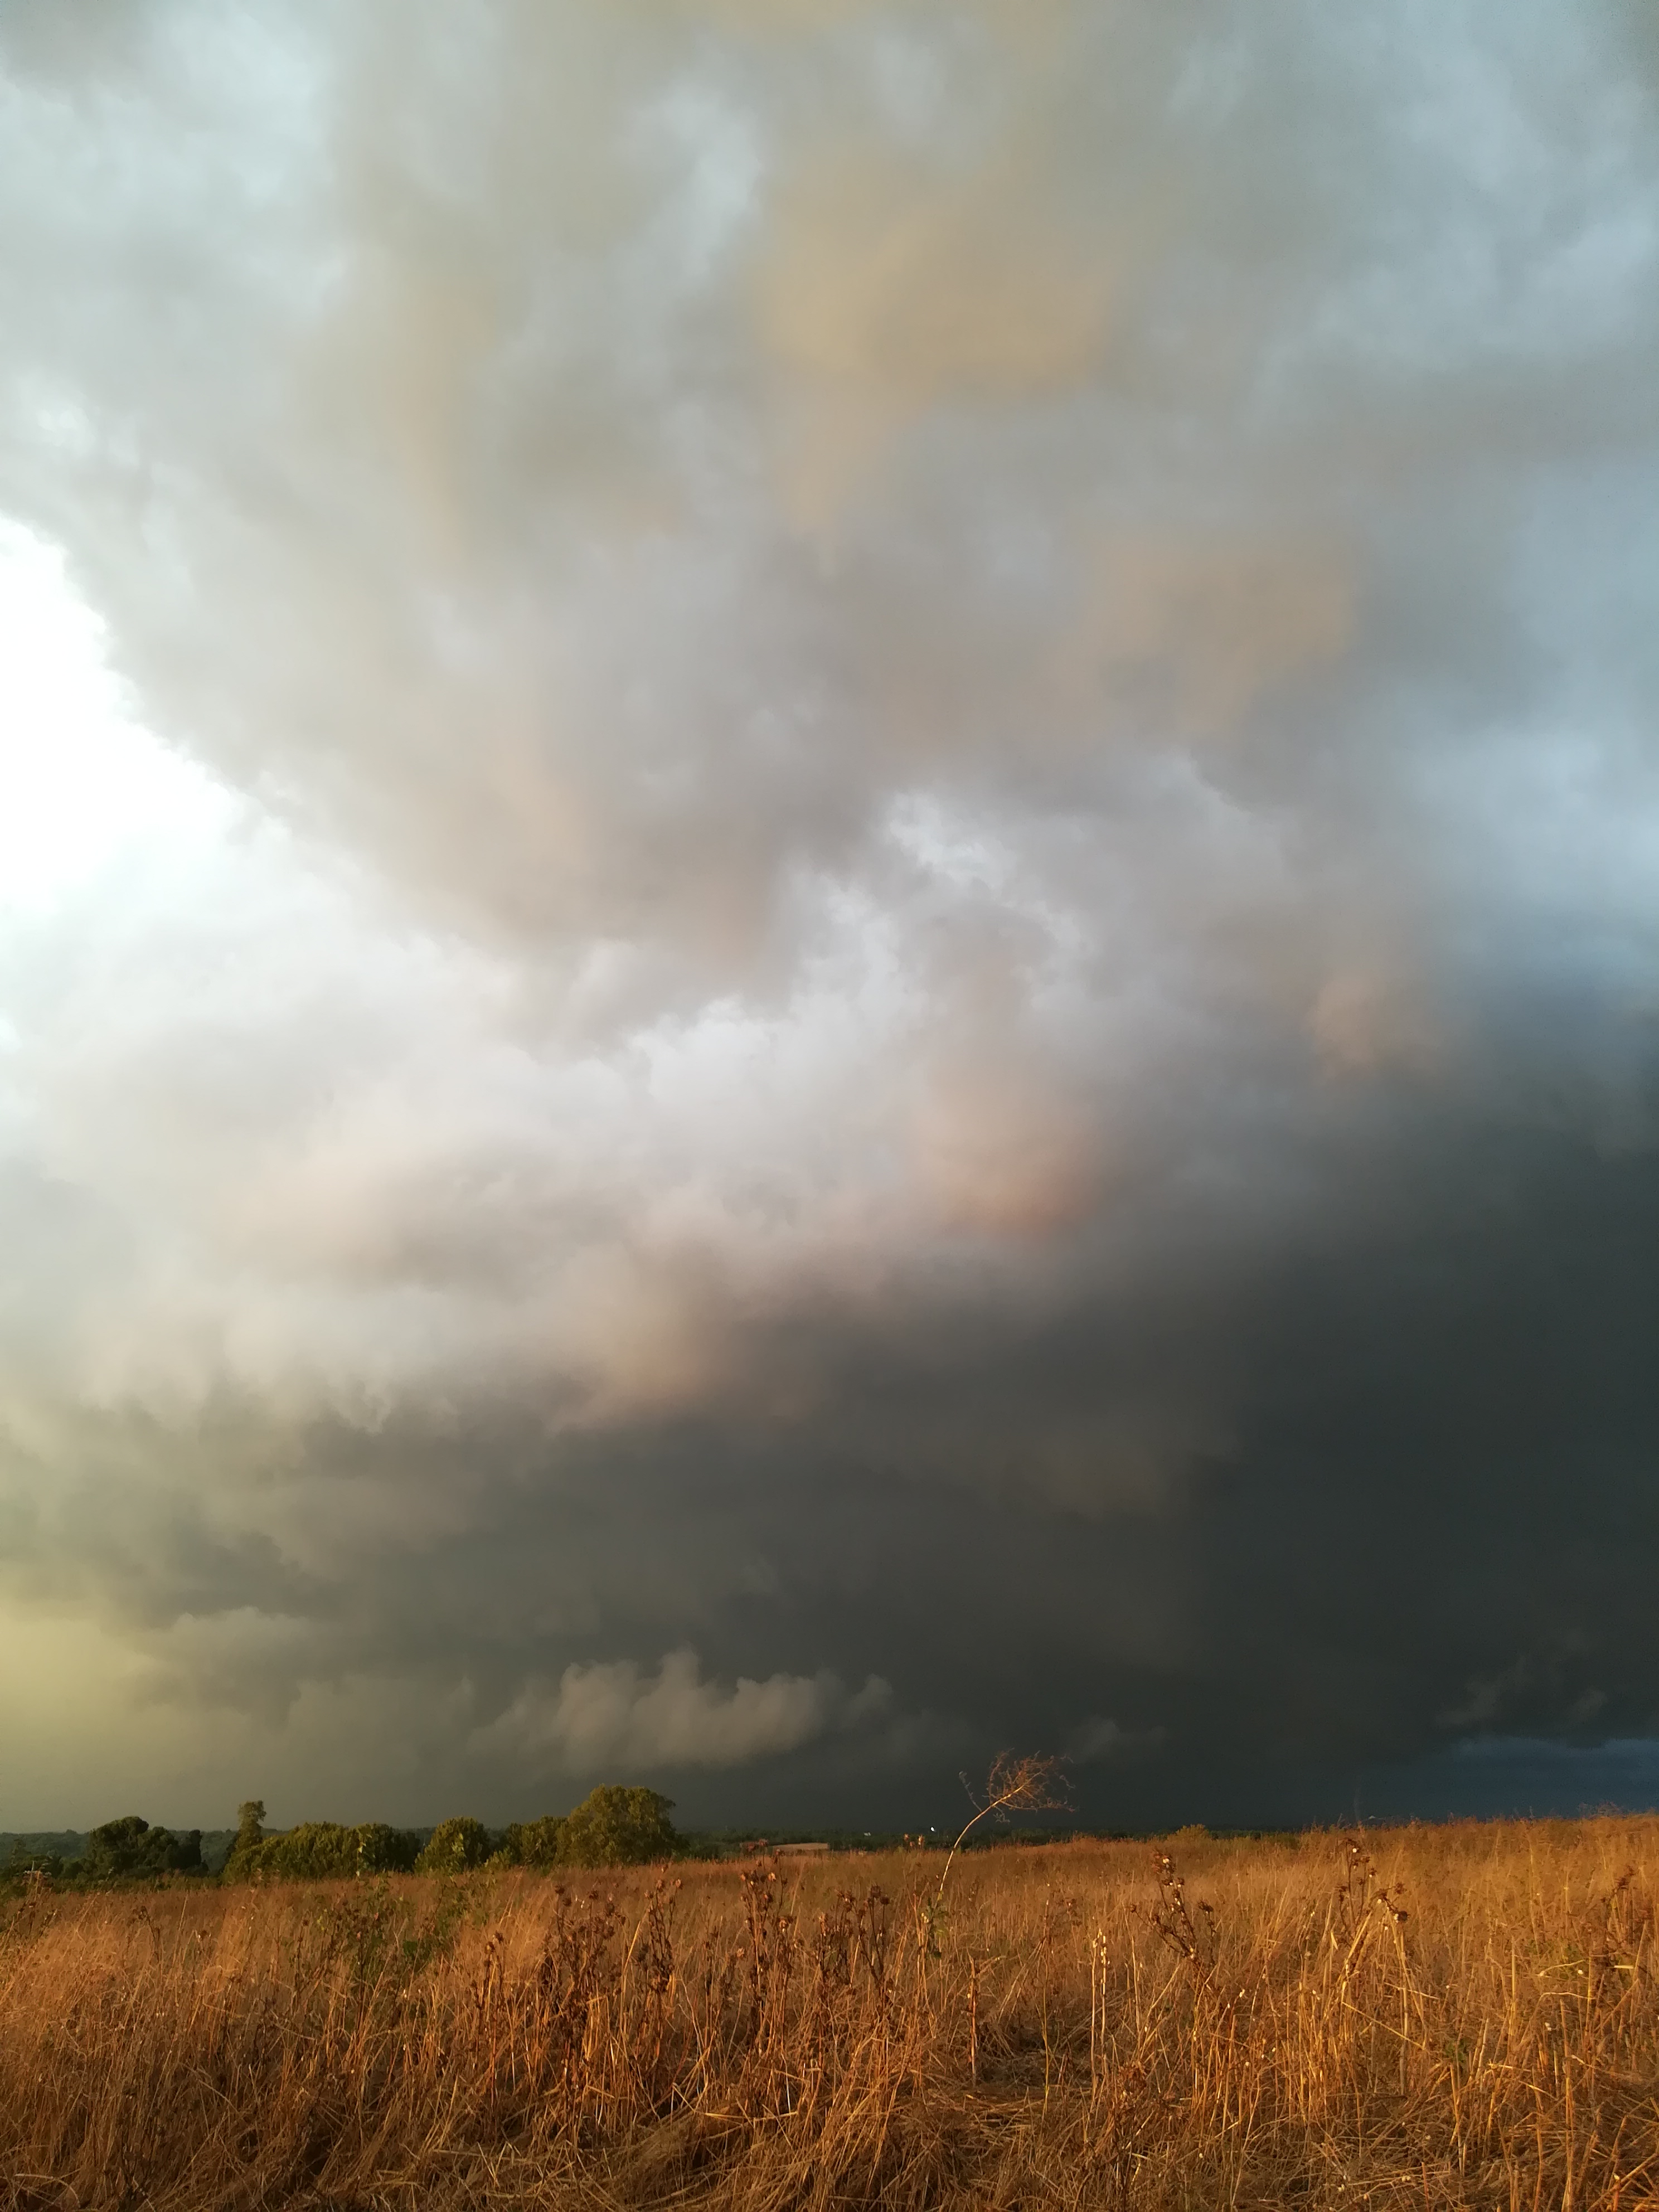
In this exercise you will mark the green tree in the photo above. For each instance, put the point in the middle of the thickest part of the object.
(532, 1843)
(129, 1849)
(617, 1827)
(327, 1850)
(243, 1857)
(454, 1846)
(313, 1851)
(23, 1860)
(318, 1850)
(378, 1849)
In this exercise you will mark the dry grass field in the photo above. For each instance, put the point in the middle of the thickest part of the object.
(1443, 2016)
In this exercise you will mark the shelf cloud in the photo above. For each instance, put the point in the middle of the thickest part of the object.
(673, 1718)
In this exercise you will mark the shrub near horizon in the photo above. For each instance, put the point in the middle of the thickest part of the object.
(125, 1850)
(533, 1844)
(615, 1825)
(323, 1851)
(131, 1846)
(455, 1846)
(243, 1855)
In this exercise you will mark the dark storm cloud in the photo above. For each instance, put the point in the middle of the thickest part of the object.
(916, 1004)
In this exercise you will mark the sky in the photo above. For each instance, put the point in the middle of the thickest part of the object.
(829, 906)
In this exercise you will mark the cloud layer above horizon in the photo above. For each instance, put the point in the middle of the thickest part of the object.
(828, 857)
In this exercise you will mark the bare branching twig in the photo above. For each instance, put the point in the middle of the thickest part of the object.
(1031, 1783)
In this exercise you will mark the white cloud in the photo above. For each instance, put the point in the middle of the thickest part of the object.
(614, 1714)
(83, 787)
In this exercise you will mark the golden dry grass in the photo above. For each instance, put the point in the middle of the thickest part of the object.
(1069, 2028)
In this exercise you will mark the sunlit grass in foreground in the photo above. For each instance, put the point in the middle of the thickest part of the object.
(1455, 2016)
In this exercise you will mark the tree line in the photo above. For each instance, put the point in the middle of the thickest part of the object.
(615, 1825)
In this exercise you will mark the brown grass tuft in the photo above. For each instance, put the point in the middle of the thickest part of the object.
(1460, 2016)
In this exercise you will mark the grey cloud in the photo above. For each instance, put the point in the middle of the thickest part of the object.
(923, 945)
(601, 1716)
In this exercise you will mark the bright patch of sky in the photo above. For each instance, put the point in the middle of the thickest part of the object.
(84, 787)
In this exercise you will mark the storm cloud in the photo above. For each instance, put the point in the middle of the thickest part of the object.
(829, 856)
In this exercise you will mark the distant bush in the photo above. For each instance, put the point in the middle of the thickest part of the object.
(454, 1846)
(381, 1850)
(130, 1848)
(316, 1850)
(613, 1825)
(244, 1855)
(617, 1827)
(23, 1862)
(326, 1851)
(532, 1843)
(127, 1850)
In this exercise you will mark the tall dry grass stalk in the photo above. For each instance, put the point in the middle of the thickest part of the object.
(1456, 2016)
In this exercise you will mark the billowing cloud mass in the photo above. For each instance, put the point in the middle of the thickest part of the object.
(829, 835)
(672, 1718)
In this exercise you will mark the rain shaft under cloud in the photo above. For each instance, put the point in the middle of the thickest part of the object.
(828, 900)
